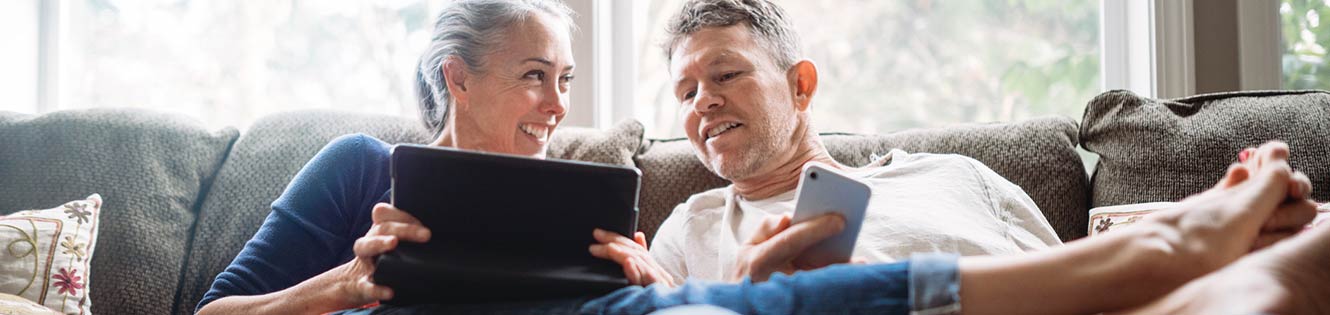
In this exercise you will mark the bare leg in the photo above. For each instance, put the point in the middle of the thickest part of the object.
(1134, 266)
(1291, 277)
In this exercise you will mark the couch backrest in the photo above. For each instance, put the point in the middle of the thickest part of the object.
(150, 168)
(1164, 150)
(270, 153)
(1039, 155)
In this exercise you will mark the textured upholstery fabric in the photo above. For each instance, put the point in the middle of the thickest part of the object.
(1038, 155)
(151, 168)
(271, 152)
(1164, 150)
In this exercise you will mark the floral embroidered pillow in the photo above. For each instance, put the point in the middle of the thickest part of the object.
(1104, 219)
(45, 254)
(14, 305)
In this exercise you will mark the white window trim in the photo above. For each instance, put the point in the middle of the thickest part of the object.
(1147, 47)
(48, 55)
(616, 73)
(1259, 45)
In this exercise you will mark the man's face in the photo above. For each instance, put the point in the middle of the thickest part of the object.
(738, 106)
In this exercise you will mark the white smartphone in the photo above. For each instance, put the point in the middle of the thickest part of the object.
(823, 190)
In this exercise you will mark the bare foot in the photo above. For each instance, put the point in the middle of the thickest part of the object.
(1291, 277)
(1256, 204)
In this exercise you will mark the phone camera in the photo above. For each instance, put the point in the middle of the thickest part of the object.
(812, 175)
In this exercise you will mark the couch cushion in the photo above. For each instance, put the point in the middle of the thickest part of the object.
(150, 168)
(1038, 155)
(1164, 150)
(276, 147)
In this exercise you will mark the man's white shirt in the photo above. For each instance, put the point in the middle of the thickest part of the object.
(920, 203)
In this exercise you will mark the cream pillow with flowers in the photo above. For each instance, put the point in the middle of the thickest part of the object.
(45, 254)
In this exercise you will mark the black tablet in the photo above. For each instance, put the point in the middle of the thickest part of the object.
(504, 227)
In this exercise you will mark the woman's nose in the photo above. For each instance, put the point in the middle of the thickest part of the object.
(554, 102)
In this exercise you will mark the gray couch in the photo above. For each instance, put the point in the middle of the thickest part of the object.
(181, 200)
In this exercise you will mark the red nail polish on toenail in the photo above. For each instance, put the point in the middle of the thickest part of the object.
(1242, 156)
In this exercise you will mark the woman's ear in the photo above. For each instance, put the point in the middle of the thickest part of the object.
(803, 77)
(455, 76)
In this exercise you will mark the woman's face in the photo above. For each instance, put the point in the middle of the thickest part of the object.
(521, 94)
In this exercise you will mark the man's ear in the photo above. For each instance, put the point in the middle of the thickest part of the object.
(803, 78)
(455, 77)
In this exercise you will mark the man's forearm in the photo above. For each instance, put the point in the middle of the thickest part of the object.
(1111, 272)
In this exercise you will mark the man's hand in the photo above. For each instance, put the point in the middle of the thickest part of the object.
(777, 244)
(638, 265)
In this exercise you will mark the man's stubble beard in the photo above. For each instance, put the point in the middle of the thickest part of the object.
(763, 149)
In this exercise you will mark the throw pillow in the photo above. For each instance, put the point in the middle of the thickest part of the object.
(1104, 219)
(1164, 150)
(45, 254)
(16, 305)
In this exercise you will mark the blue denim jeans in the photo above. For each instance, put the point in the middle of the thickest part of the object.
(925, 284)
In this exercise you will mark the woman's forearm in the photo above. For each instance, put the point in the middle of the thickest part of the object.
(1111, 272)
(317, 295)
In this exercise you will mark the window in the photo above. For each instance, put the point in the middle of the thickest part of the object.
(889, 65)
(18, 84)
(1305, 37)
(231, 62)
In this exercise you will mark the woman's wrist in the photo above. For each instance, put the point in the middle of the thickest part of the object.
(323, 293)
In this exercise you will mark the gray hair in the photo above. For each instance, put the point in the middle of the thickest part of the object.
(470, 30)
(763, 18)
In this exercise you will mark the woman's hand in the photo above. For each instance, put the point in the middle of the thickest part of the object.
(353, 281)
(346, 286)
(638, 266)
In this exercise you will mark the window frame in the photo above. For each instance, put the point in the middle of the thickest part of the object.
(1148, 47)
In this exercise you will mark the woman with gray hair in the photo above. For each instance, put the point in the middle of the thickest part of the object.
(495, 79)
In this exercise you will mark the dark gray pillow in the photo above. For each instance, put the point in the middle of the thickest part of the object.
(150, 169)
(1164, 150)
(1038, 155)
(276, 147)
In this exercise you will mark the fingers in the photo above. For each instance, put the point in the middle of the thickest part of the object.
(384, 212)
(632, 271)
(1268, 188)
(1266, 239)
(1291, 216)
(615, 247)
(641, 239)
(374, 245)
(638, 266)
(1236, 174)
(372, 292)
(769, 228)
(788, 244)
(1300, 187)
(1254, 159)
(405, 231)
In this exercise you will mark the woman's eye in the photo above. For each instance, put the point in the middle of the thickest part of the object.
(566, 79)
(535, 75)
(689, 95)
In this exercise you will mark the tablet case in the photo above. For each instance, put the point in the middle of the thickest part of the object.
(504, 227)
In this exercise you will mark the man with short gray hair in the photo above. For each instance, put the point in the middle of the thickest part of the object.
(748, 96)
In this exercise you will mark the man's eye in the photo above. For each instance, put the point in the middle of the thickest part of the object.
(535, 75)
(728, 76)
(689, 95)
